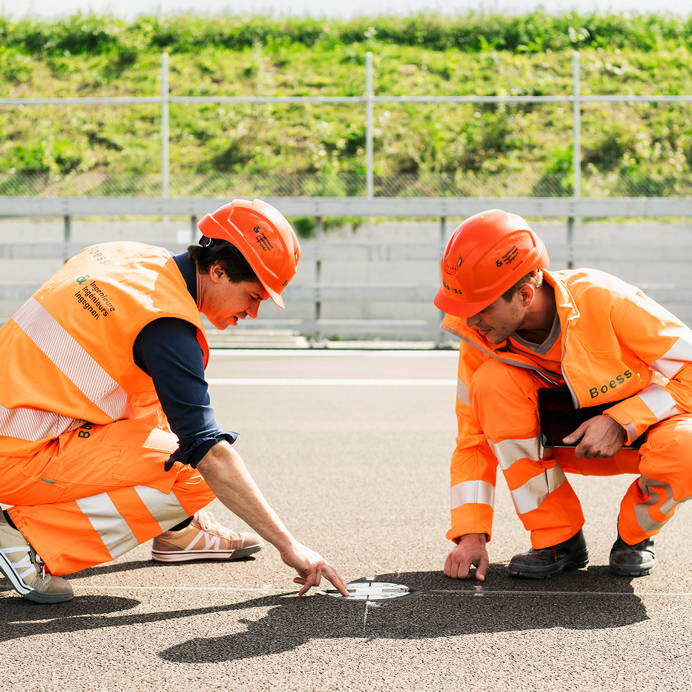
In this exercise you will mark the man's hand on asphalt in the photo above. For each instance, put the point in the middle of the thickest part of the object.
(470, 551)
(600, 436)
(311, 568)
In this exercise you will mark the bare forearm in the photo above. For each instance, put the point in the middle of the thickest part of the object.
(225, 472)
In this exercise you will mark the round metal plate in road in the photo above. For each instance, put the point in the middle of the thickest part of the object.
(371, 591)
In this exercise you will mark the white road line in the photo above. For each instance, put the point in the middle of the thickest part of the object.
(329, 382)
(476, 593)
(481, 592)
(113, 587)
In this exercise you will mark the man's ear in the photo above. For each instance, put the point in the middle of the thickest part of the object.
(527, 291)
(216, 273)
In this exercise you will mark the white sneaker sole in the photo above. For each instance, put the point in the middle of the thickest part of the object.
(191, 555)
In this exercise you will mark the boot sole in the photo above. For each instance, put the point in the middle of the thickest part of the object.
(191, 555)
(41, 597)
(620, 572)
(536, 574)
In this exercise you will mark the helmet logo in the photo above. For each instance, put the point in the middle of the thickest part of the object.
(452, 269)
(451, 288)
(510, 255)
(262, 239)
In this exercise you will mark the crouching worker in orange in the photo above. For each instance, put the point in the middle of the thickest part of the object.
(602, 341)
(107, 437)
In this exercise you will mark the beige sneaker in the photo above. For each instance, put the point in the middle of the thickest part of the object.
(25, 570)
(204, 539)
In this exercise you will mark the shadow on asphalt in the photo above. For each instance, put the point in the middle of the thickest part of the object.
(438, 607)
(22, 618)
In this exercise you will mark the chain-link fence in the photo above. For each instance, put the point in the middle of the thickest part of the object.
(462, 184)
(374, 145)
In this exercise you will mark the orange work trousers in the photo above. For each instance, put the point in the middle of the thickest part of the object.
(505, 401)
(94, 493)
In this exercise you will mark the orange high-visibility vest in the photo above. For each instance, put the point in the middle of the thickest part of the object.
(66, 355)
(617, 345)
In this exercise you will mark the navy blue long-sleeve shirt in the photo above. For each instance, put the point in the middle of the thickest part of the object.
(168, 351)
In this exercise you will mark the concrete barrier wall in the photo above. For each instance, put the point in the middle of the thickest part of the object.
(654, 255)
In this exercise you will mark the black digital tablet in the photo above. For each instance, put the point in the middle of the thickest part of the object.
(558, 417)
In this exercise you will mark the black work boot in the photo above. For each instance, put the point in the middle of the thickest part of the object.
(547, 562)
(636, 560)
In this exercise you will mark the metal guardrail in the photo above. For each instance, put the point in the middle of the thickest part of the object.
(394, 207)
(323, 249)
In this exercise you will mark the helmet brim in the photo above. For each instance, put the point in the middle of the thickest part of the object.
(456, 307)
(276, 297)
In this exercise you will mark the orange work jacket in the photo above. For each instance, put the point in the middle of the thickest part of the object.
(617, 345)
(66, 355)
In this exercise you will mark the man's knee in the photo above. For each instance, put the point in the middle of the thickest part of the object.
(667, 454)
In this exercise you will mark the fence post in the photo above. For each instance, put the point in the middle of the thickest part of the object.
(318, 279)
(576, 154)
(164, 126)
(576, 124)
(443, 243)
(66, 237)
(369, 177)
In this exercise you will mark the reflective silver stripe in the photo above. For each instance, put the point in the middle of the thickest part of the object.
(108, 523)
(32, 424)
(510, 451)
(463, 392)
(670, 363)
(631, 432)
(71, 358)
(530, 496)
(476, 492)
(165, 508)
(641, 509)
(660, 402)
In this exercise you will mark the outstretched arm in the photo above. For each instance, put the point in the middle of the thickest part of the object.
(225, 472)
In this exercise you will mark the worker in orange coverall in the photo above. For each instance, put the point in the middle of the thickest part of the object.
(107, 436)
(585, 334)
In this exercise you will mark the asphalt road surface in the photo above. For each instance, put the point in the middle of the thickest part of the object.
(352, 449)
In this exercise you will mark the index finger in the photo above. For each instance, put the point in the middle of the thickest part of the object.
(335, 578)
(482, 568)
(575, 434)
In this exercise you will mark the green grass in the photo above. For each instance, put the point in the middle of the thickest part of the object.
(311, 149)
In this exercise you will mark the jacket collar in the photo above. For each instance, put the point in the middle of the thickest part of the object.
(564, 303)
(567, 309)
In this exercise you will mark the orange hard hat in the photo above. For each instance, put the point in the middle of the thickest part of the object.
(486, 255)
(264, 237)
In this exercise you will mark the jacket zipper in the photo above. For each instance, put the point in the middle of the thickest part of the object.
(562, 367)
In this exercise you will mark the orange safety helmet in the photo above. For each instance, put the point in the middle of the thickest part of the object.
(486, 255)
(264, 237)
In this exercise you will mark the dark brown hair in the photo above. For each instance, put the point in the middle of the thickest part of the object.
(223, 253)
(535, 277)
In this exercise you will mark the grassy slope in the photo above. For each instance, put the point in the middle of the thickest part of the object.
(319, 149)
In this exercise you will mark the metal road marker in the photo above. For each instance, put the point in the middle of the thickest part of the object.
(371, 591)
